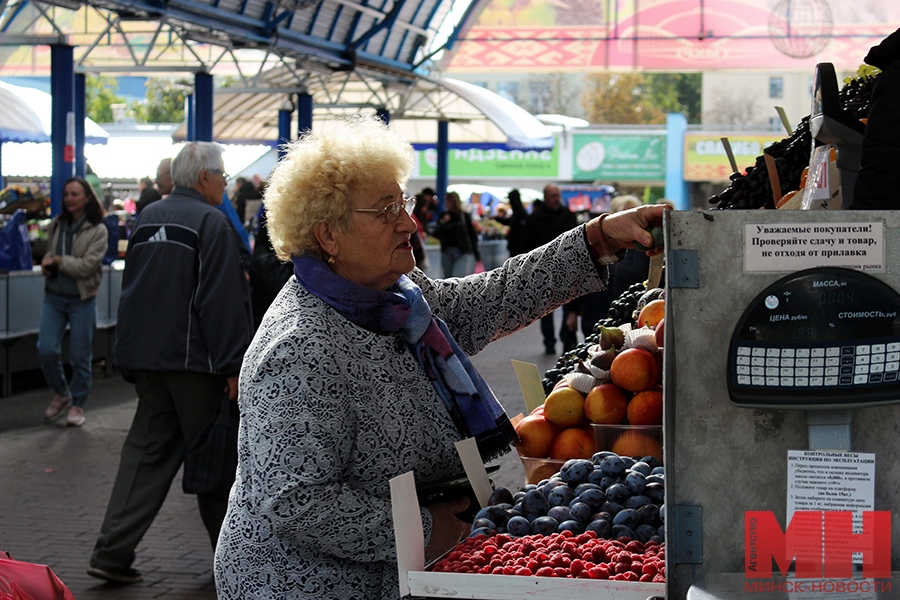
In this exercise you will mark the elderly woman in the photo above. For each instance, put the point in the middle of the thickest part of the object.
(359, 371)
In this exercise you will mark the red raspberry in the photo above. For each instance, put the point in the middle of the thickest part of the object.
(630, 576)
(634, 546)
(576, 567)
(532, 564)
(659, 578)
(455, 555)
(637, 567)
(598, 572)
(567, 534)
(649, 568)
(497, 570)
(545, 572)
(646, 578)
(525, 571)
(509, 570)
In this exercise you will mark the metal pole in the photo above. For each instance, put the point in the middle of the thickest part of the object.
(443, 151)
(284, 131)
(80, 138)
(304, 113)
(189, 117)
(203, 107)
(62, 122)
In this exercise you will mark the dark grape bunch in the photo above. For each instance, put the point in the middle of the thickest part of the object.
(620, 312)
(856, 94)
(753, 188)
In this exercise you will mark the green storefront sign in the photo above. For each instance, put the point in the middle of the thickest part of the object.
(491, 161)
(619, 157)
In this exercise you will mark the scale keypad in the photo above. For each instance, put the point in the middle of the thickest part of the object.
(826, 366)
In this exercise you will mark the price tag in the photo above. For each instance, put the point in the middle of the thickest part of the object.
(530, 382)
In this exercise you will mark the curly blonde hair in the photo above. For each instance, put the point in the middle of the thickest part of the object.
(311, 183)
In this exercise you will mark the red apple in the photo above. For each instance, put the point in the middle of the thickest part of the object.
(535, 436)
(606, 404)
(634, 370)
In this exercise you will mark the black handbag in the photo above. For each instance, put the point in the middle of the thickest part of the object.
(211, 460)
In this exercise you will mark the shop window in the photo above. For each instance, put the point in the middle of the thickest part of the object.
(509, 90)
(539, 97)
(776, 87)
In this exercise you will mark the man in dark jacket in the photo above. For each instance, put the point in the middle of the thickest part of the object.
(547, 221)
(184, 323)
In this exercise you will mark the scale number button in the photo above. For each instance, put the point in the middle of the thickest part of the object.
(878, 358)
(818, 352)
(831, 381)
(832, 351)
(743, 351)
(859, 379)
(743, 380)
(802, 381)
(759, 381)
(815, 381)
(802, 352)
(877, 348)
(864, 349)
(893, 347)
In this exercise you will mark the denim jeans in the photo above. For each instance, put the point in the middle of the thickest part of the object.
(455, 263)
(81, 317)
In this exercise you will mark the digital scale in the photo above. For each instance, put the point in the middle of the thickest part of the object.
(820, 338)
(824, 340)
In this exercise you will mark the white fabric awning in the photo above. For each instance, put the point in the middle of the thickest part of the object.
(25, 116)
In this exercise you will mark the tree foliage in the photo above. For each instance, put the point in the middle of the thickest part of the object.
(99, 96)
(164, 102)
(641, 98)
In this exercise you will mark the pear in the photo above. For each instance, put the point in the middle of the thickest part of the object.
(611, 337)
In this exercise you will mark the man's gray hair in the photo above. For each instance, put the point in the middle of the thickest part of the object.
(194, 158)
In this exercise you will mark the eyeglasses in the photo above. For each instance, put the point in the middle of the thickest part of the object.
(391, 212)
(219, 172)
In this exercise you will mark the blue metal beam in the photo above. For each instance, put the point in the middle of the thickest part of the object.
(80, 115)
(203, 107)
(304, 113)
(62, 86)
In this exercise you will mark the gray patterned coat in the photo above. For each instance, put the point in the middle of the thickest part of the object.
(330, 412)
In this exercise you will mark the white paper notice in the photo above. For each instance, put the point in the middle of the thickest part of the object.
(796, 246)
(831, 481)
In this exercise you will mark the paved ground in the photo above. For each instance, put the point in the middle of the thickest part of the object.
(55, 482)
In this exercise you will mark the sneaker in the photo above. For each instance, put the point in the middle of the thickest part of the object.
(127, 575)
(57, 405)
(76, 417)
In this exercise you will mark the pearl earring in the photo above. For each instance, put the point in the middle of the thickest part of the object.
(330, 260)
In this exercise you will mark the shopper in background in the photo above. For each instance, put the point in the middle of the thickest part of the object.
(244, 196)
(360, 370)
(548, 220)
(459, 241)
(634, 268)
(517, 221)
(164, 177)
(184, 323)
(72, 269)
(148, 194)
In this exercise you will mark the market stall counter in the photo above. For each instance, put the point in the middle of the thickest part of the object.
(20, 319)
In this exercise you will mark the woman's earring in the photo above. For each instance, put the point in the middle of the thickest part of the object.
(330, 260)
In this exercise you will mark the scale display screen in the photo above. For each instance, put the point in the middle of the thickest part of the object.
(820, 338)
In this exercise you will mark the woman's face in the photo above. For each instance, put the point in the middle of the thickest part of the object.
(75, 199)
(375, 253)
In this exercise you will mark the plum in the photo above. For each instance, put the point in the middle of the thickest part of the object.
(629, 461)
(572, 525)
(635, 481)
(622, 531)
(613, 466)
(518, 526)
(560, 513)
(656, 479)
(544, 525)
(636, 502)
(486, 523)
(518, 496)
(611, 507)
(535, 505)
(581, 512)
(645, 532)
(585, 486)
(501, 495)
(618, 493)
(576, 471)
(627, 517)
(649, 514)
(602, 516)
(593, 498)
(549, 486)
(661, 531)
(656, 492)
(601, 527)
(560, 496)
(658, 471)
(597, 477)
(641, 467)
(654, 462)
(480, 531)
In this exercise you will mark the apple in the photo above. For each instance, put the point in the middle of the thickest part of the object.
(634, 370)
(652, 313)
(564, 407)
(574, 442)
(646, 408)
(536, 434)
(606, 404)
(660, 334)
(562, 383)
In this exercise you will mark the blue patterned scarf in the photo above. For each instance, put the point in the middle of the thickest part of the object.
(471, 403)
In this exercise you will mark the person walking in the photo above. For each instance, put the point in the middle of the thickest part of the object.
(547, 221)
(73, 269)
(184, 323)
(459, 241)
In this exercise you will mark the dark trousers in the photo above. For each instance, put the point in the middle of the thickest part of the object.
(548, 331)
(173, 408)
